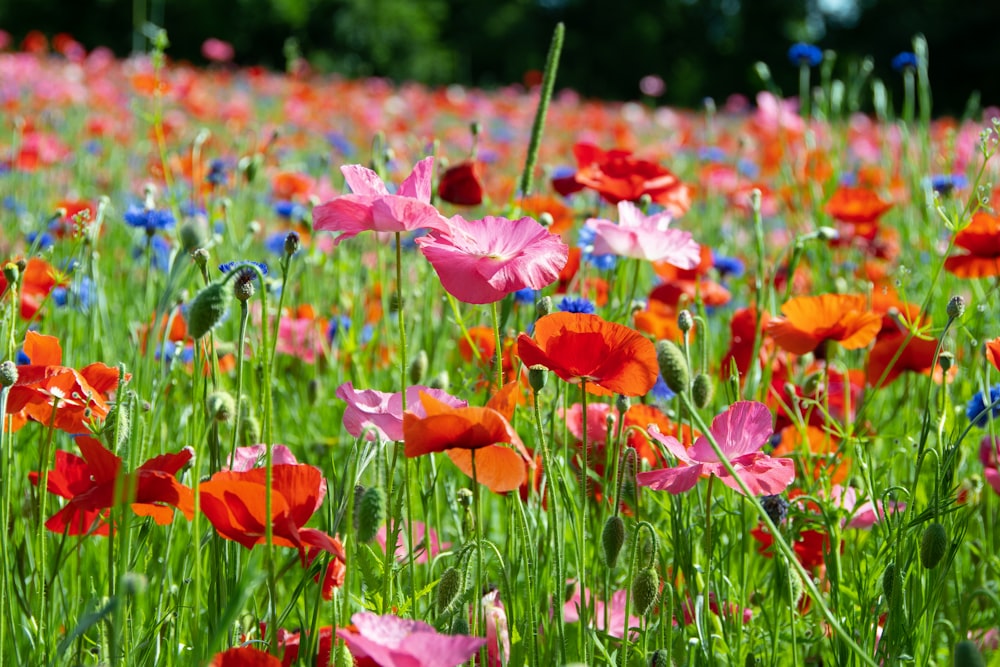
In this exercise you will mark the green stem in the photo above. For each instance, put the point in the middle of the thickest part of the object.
(538, 127)
(498, 360)
(582, 532)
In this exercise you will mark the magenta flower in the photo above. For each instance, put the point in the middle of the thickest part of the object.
(253, 456)
(390, 641)
(482, 261)
(370, 206)
(616, 613)
(423, 550)
(740, 431)
(382, 413)
(644, 237)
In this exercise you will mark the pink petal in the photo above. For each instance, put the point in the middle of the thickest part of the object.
(382, 412)
(674, 480)
(418, 184)
(363, 181)
(672, 444)
(742, 429)
(763, 475)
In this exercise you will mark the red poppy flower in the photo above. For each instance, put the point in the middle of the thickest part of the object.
(90, 484)
(235, 504)
(501, 459)
(856, 206)
(916, 356)
(993, 352)
(982, 241)
(810, 547)
(36, 281)
(610, 358)
(245, 656)
(810, 321)
(461, 185)
(618, 176)
(45, 386)
(743, 332)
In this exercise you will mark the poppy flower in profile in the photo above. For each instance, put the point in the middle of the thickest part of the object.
(500, 457)
(644, 237)
(49, 393)
(856, 206)
(618, 176)
(981, 240)
(740, 431)
(380, 413)
(235, 504)
(90, 483)
(609, 357)
(245, 656)
(810, 321)
(370, 206)
(36, 281)
(886, 361)
(461, 185)
(390, 641)
(993, 352)
(482, 261)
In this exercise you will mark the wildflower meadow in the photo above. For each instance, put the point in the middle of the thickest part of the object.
(303, 370)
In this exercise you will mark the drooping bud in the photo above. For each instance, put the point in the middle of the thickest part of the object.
(612, 538)
(543, 307)
(967, 654)
(117, 426)
(673, 366)
(418, 367)
(8, 374)
(955, 308)
(702, 390)
(933, 545)
(207, 310)
(889, 581)
(369, 513)
(192, 235)
(645, 587)
(220, 405)
(787, 584)
(449, 588)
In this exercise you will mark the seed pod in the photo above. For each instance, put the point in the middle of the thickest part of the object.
(207, 309)
(673, 366)
(967, 654)
(613, 537)
(418, 367)
(889, 581)
(933, 545)
(685, 321)
(645, 586)
(370, 513)
(537, 376)
(449, 588)
(702, 391)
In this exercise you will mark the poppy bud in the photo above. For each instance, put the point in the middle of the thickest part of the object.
(827, 234)
(460, 626)
(967, 654)
(645, 586)
(344, 657)
(206, 311)
(546, 220)
(8, 373)
(955, 308)
(787, 583)
(612, 538)
(537, 375)
(543, 307)
(685, 321)
(659, 658)
(134, 583)
(890, 581)
(933, 545)
(249, 431)
(621, 404)
(440, 381)
(418, 367)
(449, 588)
(192, 235)
(702, 390)
(11, 273)
(369, 513)
(292, 243)
(220, 405)
(117, 426)
(673, 366)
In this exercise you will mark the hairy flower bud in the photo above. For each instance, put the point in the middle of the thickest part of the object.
(645, 587)
(612, 539)
(8, 373)
(449, 588)
(673, 366)
(206, 311)
(369, 513)
(702, 390)
(933, 545)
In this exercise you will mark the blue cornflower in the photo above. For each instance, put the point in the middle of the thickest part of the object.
(943, 184)
(526, 295)
(727, 266)
(576, 304)
(217, 173)
(776, 508)
(160, 249)
(246, 274)
(711, 154)
(341, 143)
(79, 294)
(290, 210)
(150, 220)
(904, 61)
(976, 410)
(585, 241)
(805, 54)
(40, 239)
(11, 204)
(660, 390)
(337, 324)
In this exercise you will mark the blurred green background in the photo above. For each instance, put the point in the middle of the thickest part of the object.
(700, 48)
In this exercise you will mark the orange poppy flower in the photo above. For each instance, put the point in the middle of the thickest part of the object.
(982, 241)
(993, 352)
(562, 215)
(45, 387)
(501, 459)
(235, 504)
(91, 482)
(610, 358)
(856, 205)
(810, 321)
(659, 320)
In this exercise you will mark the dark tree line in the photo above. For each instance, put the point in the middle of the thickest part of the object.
(701, 48)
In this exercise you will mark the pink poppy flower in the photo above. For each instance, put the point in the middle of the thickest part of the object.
(644, 237)
(866, 514)
(423, 550)
(252, 456)
(216, 50)
(988, 449)
(497, 630)
(391, 641)
(740, 431)
(382, 412)
(482, 261)
(616, 614)
(371, 207)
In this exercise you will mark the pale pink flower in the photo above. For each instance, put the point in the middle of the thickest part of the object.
(252, 456)
(866, 514)
(497, 630)
(615, 626)
(371, 207)
(482, 261)
(423, 549)
(740, 432)
(300, 337)
(391, 641)
(217, 50)
(644, 237)
(381, 413)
